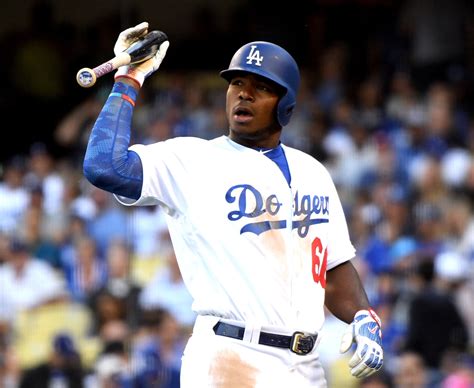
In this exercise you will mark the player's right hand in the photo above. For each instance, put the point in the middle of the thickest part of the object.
(139, 71)
(366, 332)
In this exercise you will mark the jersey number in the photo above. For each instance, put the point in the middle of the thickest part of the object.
(320, 260)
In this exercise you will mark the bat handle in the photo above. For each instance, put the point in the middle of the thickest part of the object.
(87, 77)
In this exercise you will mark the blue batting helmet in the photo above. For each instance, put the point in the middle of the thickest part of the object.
(274, 63)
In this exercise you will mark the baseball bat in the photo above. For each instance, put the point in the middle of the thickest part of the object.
(141, 50)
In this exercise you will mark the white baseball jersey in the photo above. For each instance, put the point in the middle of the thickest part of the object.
(250, 247)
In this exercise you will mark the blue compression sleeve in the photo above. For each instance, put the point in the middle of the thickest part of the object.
(108, 164)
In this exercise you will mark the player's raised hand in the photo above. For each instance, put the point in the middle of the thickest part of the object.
(138, 71)
(129, 36)
(366, 332)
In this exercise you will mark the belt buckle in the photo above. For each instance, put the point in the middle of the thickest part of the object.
(301, 343)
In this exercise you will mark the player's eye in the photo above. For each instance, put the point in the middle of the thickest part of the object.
(264, 87)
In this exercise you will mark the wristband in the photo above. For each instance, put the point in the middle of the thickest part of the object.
(132, 73)
(123, 97)
(118, 76)
(125, 92)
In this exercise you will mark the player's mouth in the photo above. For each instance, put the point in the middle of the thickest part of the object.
(242, 114)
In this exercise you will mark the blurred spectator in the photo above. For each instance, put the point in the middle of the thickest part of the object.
(112, 368)
(73, 129)
(119, 292)
(110, 222)
(441, 122)
(403, 101)
(411, 371)
(451, 270)
(112, 364)
(454, 277)
(86, 272)
(14, 196)
(330, 87)
(198, 110)
(42, 173)
(369, 105)
(62, 369)
(434, 322)
(317, 131)
(429, 229)
(382, 379)
(149, 230)
(167, 290)
(42, 231)
(75, 231)
(391, 245)
(26, 282)
(427, 182)
(108, 309)
(460, 226)
(459, 373)
(455, 165)
(389, 165)
(157, 349)
(76, 199)
(115, 331)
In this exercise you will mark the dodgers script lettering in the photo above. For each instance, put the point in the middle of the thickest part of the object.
(251, 204)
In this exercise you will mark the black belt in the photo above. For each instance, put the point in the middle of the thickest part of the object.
(298, 343)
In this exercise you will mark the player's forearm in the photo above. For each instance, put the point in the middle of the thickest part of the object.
(345, 294)
(108, 164)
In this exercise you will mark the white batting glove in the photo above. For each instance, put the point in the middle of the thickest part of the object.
(139, 71)
(366, 332)
(129, 36)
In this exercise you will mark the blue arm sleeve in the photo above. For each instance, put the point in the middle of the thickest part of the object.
(108, 164)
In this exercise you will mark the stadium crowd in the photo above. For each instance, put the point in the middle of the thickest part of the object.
(90, 292)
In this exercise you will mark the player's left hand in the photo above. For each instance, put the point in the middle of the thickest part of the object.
(366, 332)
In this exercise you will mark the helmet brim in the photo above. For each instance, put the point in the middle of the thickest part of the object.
(228, 74)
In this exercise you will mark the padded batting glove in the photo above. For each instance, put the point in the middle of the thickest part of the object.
(129, 36)
(366, 332)
(139, 71)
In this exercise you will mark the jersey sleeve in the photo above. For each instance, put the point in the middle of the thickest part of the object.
(167, 166)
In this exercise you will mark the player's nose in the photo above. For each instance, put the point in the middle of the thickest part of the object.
(246, 93)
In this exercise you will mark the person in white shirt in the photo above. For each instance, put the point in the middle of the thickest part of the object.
(26, 282)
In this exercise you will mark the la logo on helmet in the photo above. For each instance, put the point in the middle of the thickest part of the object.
(254, 55)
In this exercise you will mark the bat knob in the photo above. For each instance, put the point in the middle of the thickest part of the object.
(86, 77)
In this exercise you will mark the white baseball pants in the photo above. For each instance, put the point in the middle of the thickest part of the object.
(213, 361)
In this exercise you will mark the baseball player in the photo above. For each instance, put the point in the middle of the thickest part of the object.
(258, 228)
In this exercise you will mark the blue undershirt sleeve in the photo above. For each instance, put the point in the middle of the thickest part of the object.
(108, 164)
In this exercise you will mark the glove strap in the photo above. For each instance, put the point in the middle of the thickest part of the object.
(370, 312)
(375, 317)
